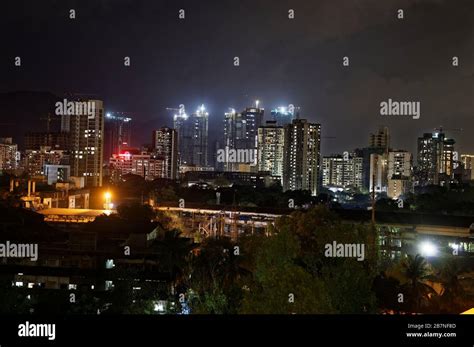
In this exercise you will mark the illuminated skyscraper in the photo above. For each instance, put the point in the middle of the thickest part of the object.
(399, 164)
(240, 132)
(467, 161)
(86, 143)
(9, 155)
(302, 156)
(271, 146)
(435, 158)
(342, 171)
(165, 148)
(192, 133)
(378, 175)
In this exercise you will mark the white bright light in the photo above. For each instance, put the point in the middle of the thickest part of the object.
(160, 306)
(454, 246)
(428, 249)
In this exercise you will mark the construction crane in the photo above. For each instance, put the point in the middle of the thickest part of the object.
(440, 129)
(180, 111)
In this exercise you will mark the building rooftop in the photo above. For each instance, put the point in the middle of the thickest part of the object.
(75, 212)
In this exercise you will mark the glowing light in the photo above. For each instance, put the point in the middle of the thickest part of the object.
(108, 115)
(107, 201)
(428, 249)
(256, 103)
(181, 115)
(160, 306)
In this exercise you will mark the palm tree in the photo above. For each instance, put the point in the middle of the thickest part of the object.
(416, 271)
(453, 293)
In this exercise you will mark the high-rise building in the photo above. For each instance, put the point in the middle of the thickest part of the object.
(241, 129)
(379, 145)
(399, 173)
(342, 171)
(399, 186)
(302, 156)
(390, 173)
(378, 173)
(240, 133)
(34, 160)
(234, 131)
(252, 119)
(467, 161)
(54, 140)
(192, 133)
(435, 159)
(365, 154)
(118, 133)
(9, 155)
(400, 164)
(165, 148)
(86, 136)
(143, 164)
(284, 115)
(183, 126)
(271, 148)
(381, 139)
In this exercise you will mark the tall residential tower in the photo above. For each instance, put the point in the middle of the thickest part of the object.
(86, 142)
(302, 156)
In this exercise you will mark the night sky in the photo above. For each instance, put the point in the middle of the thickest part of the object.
(282, 61)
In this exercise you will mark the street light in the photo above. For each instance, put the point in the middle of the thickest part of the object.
(428, 249)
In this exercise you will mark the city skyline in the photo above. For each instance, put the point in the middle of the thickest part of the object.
(138, 141)
(387, 60)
